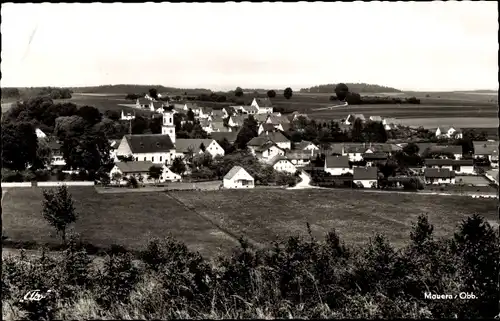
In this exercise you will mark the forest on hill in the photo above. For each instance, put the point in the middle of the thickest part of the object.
(354, 87)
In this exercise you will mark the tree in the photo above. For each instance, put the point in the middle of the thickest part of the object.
(190, 115)
(411, 149)
(153, 93)
(139, 125)
(226, 145)
(19, 145)
(58, 209)
(202, 147)
(341, 91)
(178, 166)
(271, 94)
(357, 130)
(155, 125)
(248, 131)
(117, 177)
(90, 114)
(43, 155)
(155, 173)
(112, 114)
(238, 92)
(353, 98)
(288, 93)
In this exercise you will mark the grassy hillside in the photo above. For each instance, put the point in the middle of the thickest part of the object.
(354, 87)
(129, 219)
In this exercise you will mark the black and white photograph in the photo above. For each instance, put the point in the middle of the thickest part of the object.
(250, 160)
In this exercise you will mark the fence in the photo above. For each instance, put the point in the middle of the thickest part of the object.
(68, 183)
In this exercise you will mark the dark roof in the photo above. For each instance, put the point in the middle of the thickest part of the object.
(54, 145)
(251, 108)
(337, 162)
(158, 104)
(134, 167)
(303, 144)
(264, 102)
(266, 146)
(423, 146)
(485, 148)
(150, 143)
(375, 156)
(276, 159)
(453, 149)
(438, 173)
(275, 136)
(219, 136)
(365, 173)
(258, 141)
(268, 127)
(449, 162)
(301, 154)
(230, 110)
(182, 145)
(144, 101)
(279, 119)
(260, 118)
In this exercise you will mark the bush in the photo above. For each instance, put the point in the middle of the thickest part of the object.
(132, 182)
(11, 176)
(42, 175)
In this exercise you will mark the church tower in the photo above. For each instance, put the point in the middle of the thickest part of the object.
(168, 127)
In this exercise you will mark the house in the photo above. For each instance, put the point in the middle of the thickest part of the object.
(439, 176)
(157, 106)
(454, 150)
(156, 148)
(250, 110)
(264, 150)
(301, 157)
(439, 163)
(206, 125)
(269, 127)
(204, 112)
(354, 152)
(127, 115)
(40, 134)
(236, 121)
(144, 103)
(365, 176)
(238, 177)
(306, 145)
(229, 136)
(140, 170)
(184, 107)
(282, 164)
(486, 150)
(228, 111)
(389, 123)
(376, 118)
(449, 132)
(278, 138)
(184, 146)
(372, 159)
(263, 105)
(57, 158)
(261, 118)
(272, 119)
(352, 117)
(113, 146)
(337, 165)
(462, 166)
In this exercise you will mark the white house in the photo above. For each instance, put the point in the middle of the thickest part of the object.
(282, 164)
(449, 132)
(144, 103)
(306, 145)
(238, 177)
(40, 134)
(263, 105)
(337, 165)
(183, 146)
(140, 170)
(157, 148)
(486, 150)
(464, 166)
(355, 153)
(266, 150)
(269, 127)
(127, 115)
(365, 176)
(300, 158)
(278, 138)
(439, 176)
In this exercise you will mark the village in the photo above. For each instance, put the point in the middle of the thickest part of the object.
(148, 159)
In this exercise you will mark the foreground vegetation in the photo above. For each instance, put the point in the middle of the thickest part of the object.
(294, 278)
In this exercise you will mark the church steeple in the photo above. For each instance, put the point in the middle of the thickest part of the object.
(168, 127)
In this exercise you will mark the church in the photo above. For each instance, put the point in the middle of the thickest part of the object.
(160, 148)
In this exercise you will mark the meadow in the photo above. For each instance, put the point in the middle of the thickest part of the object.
(211, 221)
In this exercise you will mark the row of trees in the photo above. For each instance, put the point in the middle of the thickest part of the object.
(287, 93)
(356, 87)
(298, 277)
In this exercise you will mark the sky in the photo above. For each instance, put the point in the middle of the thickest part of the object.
(427, 46)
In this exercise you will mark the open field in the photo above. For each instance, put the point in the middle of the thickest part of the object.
(473, 180)
(471, 122)
(260, 215)
(125, 219)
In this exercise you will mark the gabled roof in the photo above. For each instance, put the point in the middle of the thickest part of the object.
(205, 110)
(230, 110)
(375, 156)
(219, 136)
(264, 102)
(279, 119)
(218, 113)
(337, 161)
(251, 109)
(438, 173)
(260, 118)
(54, 145)
(301, 154)
(183, 145)
(266, 146)
(485, 148)
(454, 149)
(134, 167)
(448, 162)
(268, 127)
(258, 141)
(238, 120)
(303, 144)
(158, 104)
(149, 143)
(286, 126)
(234, 171)
(423, 146)
(355, 149)
(275, 136)
(365, 173)
(276, 159)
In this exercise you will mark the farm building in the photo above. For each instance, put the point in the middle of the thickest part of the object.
(449, 132)
(463, 166)
(144, 103)
(184, 146)
(276, 137)
(374, 158)
(273, 119)
(263, 105)
(229, 136)
(365, 176)
(486, 150)
(127, 115)
(444, 150)
(140, 170)
(282, 164)
(439, 176)
(238, 177)
(337, 165)
(355, 153)
(265, 127)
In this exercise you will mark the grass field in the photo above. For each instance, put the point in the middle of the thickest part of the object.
(125, 219)
(260, 215)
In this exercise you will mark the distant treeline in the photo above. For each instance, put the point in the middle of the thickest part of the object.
(356, 99)
(120, 89)
(52, 92)
(10, 93)
(355, 87)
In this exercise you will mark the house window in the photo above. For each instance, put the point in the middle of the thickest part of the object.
(160, 158)
(144, 158)
(137, 159)
(152, 159)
